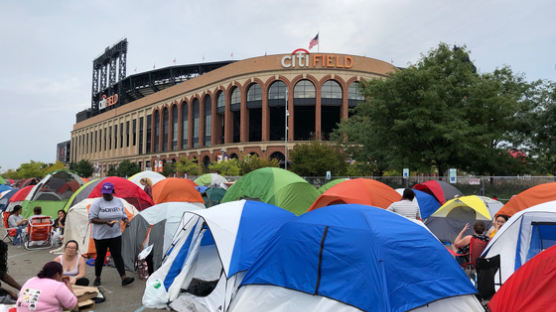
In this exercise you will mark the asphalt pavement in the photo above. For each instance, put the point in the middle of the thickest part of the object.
(24, 264)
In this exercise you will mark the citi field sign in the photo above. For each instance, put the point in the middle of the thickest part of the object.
(301, 58)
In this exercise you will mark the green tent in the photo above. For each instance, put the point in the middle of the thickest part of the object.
(211, 179)
(2, 181)
(51, 193)
(213, 196)
(330, 184)
(275, 186)
(82, 193)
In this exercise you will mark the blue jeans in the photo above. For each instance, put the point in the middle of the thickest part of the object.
(17, 238)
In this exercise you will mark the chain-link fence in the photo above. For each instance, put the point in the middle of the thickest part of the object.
(502, 188)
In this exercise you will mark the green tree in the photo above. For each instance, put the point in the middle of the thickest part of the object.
(84, 168)
(169, 169)
(434, 115)
(32, 169)
(315, 158)
(112, 171)
(188, 166)
(127, 168)
(226, 167)
(541, 143)
(253, 162)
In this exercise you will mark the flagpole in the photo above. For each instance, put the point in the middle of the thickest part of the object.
(318, 42)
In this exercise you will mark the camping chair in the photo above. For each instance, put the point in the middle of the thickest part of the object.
(10, 232)
(486, 271)
(476, 248)
(39, 233)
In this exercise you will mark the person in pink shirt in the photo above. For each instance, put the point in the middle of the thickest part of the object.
(49, 291)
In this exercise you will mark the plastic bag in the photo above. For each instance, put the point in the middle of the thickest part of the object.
(155, 295)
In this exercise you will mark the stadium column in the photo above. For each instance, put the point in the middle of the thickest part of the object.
(291, 112)
(190, 123)
(202, 121)
(265, 115)
(318, 111)
(344, 111)
(161, 130)
(213, 119)
(180, 126)
(244, 116)
(170, 126)
(227, 117)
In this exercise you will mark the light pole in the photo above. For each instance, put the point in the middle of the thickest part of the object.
(286, 132)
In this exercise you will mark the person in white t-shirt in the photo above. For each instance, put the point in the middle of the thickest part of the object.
(105, 214)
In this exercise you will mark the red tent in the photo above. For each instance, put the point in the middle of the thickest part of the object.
(21, 194)
(441, 190)
(531, 288)
(127, 190)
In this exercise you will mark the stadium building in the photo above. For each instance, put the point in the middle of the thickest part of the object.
(220, 109)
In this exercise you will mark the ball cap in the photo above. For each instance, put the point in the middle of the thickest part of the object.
(107, 188)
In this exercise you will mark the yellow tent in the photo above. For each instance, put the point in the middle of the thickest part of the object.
(463, 206)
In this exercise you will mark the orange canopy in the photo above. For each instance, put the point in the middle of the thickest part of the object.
(358, 191)
(535, 195)
(176, 190)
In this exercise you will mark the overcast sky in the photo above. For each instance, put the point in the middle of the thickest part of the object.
(47, 47)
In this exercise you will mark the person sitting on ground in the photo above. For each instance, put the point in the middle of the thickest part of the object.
(15, 220)
(60, 222)
(462, 243)
(406, 207)
(5, 277)
(498, 222)
(48, 291)
(147, 186)
(73, 264)
(59, 225)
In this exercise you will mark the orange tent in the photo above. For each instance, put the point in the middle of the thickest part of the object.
(535, 195)
(358, 191)
(176, 190)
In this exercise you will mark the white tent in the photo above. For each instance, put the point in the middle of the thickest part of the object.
(154, 226)
(523, 236)
(209, 254)
(155, 177)
(78, 228)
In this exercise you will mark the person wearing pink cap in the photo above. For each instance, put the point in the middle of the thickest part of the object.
(105, 214)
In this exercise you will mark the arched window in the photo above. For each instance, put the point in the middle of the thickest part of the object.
(254, 107)
(235, 105)
(277, 93)
(196, 122)
(156, 130)
(165, 124)
(208, 120)
(174, 127)
(331, 90)
(220, 110)
(185, 125)
(254, 93)
(354, 96)
(304, 89)
(304, 110)
(331, 101)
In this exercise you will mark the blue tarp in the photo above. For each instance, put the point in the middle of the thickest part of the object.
(427, 203)
(363, 256)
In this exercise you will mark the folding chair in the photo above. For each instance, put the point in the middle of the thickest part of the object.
(486, 271)
(10, 232)
(39, 233)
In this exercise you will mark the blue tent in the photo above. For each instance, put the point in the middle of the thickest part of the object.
(427, 203)
(4, 187)
(361, 256)
(4, 201)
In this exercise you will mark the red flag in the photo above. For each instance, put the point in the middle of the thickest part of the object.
(314, 41)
